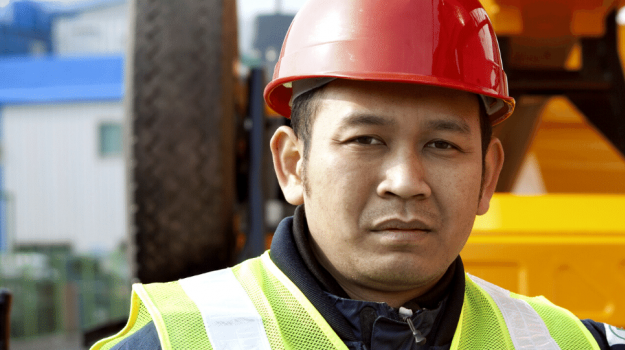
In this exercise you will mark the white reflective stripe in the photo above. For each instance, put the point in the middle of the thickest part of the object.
(229, 316)
(527, 329)
(615, 336)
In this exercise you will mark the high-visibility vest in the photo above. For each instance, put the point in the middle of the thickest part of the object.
(255, 306)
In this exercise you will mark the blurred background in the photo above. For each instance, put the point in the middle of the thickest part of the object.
(133, 148)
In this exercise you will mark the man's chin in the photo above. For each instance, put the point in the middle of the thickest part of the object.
(403, 275)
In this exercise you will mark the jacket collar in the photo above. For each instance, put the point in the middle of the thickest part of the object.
(291, 251)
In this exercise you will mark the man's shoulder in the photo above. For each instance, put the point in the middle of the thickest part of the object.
(607, 336)
(555, 318)
(146, 338)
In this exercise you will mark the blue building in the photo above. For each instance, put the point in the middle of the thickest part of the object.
(83, 27)
(54, 54)
(62, 168)
(25, 28)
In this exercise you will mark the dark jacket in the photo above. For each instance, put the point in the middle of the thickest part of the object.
(363, 325)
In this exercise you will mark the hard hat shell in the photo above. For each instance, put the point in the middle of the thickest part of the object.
(446, 43)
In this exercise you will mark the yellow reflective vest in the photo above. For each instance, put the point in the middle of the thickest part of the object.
(255, 306)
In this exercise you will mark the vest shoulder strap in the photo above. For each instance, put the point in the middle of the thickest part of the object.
(139, 317)
(526, 328)
(250, 306)
(494, 314)
(228, 314)
(177, 320)
(290, 319)
(567, 330)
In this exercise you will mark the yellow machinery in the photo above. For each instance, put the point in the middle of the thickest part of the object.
(564, 236)
(568, 247)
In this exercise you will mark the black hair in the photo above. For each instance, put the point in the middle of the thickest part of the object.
(303, 115)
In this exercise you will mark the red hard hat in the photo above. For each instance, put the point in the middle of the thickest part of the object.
(447, 43)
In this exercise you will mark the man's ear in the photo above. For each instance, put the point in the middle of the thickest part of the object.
(287, 152)
(492, 167)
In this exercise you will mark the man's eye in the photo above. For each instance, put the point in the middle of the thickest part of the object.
(440, 145)
(367, 140)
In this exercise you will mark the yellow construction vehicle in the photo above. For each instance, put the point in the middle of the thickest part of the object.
(562, 234)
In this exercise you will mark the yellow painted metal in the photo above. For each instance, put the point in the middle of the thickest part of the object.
(507, 20)
(572, 155)
(569, 248)
(567, 245)
(549, 18)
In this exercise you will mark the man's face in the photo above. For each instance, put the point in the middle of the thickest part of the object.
(392, 181)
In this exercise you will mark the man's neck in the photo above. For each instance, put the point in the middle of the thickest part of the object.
(394, 298)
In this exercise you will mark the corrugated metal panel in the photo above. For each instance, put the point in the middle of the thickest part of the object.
(102, 30)
(63, 189)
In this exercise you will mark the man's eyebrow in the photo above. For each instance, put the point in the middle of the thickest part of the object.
(358, 119)
(449, 125)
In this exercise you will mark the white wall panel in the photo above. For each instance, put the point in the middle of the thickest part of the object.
(101, 30)
(64, 191)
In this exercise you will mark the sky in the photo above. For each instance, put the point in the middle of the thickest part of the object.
(248, 7)
(247, 10)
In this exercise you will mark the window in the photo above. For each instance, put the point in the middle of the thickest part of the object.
(110, 139)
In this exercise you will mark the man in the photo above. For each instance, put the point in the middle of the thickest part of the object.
(390, 158)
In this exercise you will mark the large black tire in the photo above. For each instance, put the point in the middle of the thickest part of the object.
(182, 159)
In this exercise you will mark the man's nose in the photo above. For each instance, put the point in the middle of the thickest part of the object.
(405, 177)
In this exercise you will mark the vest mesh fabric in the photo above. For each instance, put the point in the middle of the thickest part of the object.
(481, 323)
(566, 329)
(182, 318)
(291, 322)
(287, 323)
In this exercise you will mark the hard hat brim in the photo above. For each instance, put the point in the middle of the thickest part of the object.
(276, 92)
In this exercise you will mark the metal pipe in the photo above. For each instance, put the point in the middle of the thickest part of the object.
(255, 242)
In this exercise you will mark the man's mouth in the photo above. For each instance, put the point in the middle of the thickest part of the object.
(402, 225)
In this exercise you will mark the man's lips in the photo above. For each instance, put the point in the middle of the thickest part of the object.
(401, 225)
